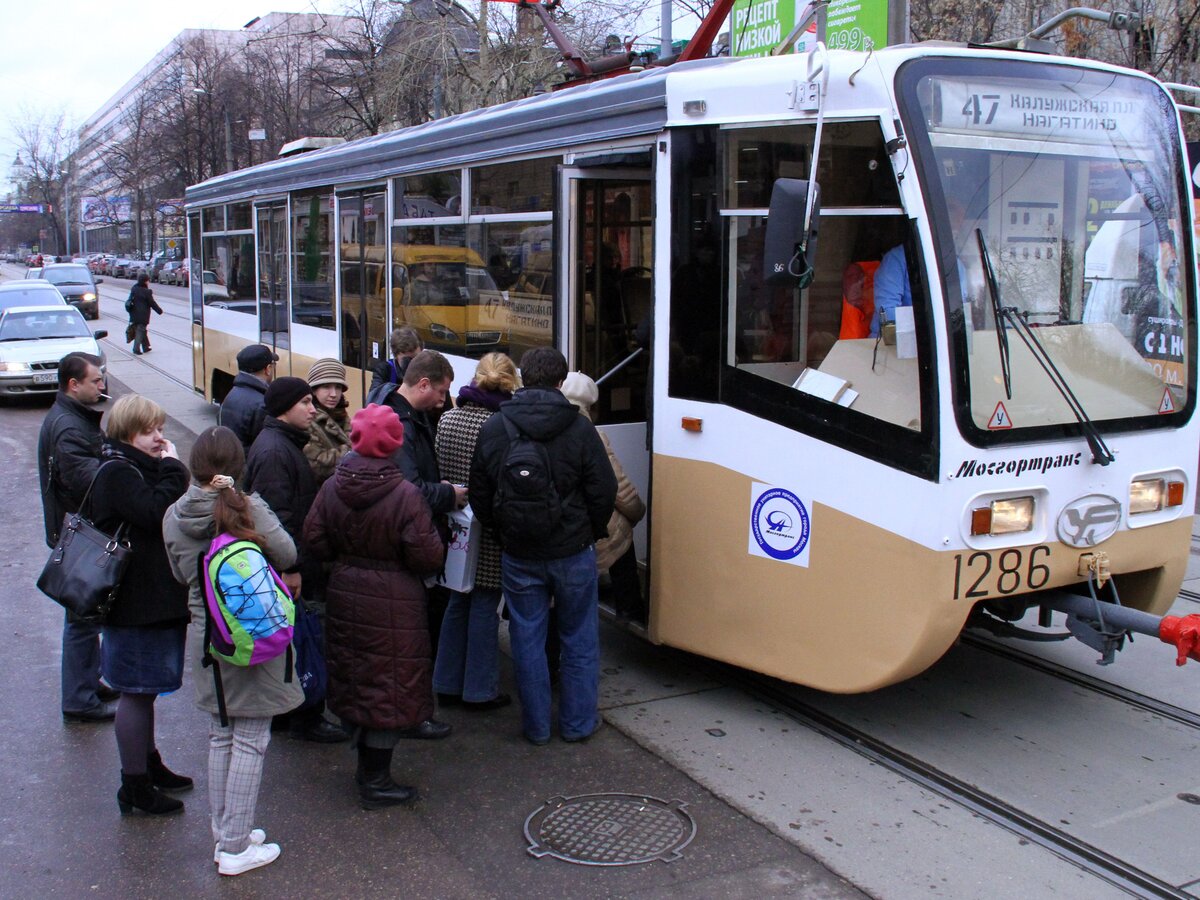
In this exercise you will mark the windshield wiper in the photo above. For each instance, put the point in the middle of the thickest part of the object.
(20, 338)
(989, 275)
(1008, 315)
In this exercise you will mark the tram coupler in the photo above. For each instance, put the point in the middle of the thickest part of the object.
(1103, 626)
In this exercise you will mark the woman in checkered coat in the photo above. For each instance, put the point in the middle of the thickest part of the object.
(466, 670)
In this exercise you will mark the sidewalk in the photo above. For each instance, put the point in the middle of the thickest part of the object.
(465, 838)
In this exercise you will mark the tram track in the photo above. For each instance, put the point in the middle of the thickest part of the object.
(1131, 698)
(784, 699)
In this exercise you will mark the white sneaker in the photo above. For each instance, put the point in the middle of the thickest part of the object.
(257, 836)
(251, 858)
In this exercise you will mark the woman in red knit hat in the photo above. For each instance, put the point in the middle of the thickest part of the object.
(376, 529)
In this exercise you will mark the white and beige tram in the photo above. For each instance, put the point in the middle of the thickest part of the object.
(973, 383)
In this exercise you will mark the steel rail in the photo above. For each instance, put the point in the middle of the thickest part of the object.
(1098, 685)
(1091, 859)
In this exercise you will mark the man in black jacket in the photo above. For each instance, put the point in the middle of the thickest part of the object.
(424, 388)
(243, 410)
(69, 448)
(278, 471)
(426, 383)
(560, 564)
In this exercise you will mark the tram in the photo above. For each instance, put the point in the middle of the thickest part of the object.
(892, 343)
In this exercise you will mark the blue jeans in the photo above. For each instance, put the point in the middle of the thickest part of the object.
(529, 586)
(141, 342)
(467, 648)
(80, 666)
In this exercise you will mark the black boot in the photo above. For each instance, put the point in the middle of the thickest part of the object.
(377, 790)
(164, 779)
(138, 792)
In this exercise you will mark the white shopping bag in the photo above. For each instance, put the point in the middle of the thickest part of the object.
(462, 555)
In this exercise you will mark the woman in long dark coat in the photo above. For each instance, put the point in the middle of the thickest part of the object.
(377, 530)
(142, 652)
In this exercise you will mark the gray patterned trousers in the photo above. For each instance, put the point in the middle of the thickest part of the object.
(235, 764)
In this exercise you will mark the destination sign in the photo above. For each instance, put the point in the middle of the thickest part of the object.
(1061, 112)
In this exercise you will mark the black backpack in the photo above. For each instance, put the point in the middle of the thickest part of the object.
(527, 504)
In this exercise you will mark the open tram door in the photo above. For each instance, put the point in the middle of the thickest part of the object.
(362, 301)
(608, 234)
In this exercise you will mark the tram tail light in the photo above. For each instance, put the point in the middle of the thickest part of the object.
(1154, 494)
(1008, 516)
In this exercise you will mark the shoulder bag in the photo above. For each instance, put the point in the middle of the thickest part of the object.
(86, 566)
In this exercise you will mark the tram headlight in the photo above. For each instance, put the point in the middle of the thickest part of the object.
(1153, 494)
(1008, 516)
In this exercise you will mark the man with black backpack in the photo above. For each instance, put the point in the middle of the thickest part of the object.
(542, 481)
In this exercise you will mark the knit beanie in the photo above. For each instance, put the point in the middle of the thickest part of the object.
(376, 431)
(580, 390)
(327, 371)
(284, 393)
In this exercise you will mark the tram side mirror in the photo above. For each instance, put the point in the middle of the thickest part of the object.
(788, 253)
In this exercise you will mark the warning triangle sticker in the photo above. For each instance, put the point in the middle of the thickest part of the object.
(999, 420)
(1168, 403)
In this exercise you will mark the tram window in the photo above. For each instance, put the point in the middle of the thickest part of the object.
(444, 285)
(213, 218)
(429, 195)
(312, 255)
(853, 169)
(227, 276)
(525, 186)
(240, 217)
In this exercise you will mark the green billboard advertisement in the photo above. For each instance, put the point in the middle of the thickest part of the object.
(757, 26)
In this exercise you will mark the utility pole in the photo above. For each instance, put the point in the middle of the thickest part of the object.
(664, 16)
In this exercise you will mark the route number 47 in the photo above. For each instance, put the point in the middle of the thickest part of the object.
(981, 108)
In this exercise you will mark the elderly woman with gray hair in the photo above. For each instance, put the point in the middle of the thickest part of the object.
(615, 553)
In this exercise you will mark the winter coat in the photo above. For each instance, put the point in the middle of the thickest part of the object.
(141, 301)
(69, 447)
(587, 487)
(628, 511)
(417, 459)
(388, 371)
(257, 691)
(457, 433)
(328, 442)
(136, 489)
(277, 471)
(376, 529)
(243, 410)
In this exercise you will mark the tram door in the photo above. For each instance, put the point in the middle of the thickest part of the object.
(362, 217)
(609, 272)
(271, 224)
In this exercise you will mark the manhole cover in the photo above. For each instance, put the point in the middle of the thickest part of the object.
(610, 829)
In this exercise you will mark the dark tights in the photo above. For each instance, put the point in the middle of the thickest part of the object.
(134, 727)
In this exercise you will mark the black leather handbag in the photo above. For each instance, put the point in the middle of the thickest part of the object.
(86, 566)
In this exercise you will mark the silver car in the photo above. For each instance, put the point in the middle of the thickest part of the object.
(30, 292)
(32, 341)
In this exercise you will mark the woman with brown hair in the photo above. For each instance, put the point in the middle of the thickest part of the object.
(142, 652)
(213, 505)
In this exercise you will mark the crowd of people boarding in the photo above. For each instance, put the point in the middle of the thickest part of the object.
(349, 512)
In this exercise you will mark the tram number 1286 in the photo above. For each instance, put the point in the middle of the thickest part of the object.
(983, 574)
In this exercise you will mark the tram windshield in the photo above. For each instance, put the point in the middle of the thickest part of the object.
(1073, 178)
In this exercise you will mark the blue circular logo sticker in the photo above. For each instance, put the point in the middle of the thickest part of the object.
(780, 525)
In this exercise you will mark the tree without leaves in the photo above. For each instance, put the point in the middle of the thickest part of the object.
(46, 140)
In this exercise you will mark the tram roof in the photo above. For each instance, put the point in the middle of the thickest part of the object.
(603, 110)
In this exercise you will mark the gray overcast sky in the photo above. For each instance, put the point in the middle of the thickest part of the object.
(75, 54)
